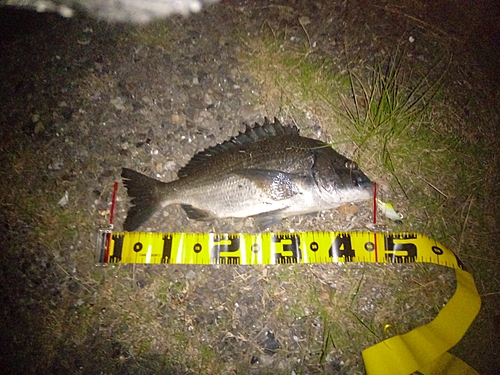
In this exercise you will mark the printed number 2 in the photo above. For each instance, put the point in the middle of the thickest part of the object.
(231, 247)
(234, 245)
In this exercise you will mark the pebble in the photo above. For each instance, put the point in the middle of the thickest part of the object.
(118, 103)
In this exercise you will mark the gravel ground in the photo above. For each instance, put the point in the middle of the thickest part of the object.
(82, 98)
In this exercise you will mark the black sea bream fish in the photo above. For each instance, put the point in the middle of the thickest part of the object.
(268, 172)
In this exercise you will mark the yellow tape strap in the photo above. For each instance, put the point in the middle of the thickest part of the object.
(424, 349)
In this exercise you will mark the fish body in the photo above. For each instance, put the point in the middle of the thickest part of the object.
(268, 172)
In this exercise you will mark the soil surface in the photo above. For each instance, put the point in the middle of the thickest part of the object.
(80, 99)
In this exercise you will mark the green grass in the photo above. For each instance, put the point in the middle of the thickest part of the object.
(396, 120)
(390, 113)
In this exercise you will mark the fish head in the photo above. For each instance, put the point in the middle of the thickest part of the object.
(339, 179)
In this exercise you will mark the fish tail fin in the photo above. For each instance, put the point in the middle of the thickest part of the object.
(146, 196)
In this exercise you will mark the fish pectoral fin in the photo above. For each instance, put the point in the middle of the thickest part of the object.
(195, 213)
(268, 219)
(275, 184)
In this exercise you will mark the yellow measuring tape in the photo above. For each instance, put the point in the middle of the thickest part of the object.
(423, 349)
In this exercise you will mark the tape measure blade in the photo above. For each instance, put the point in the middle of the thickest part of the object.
(270, 248)
(101, 246)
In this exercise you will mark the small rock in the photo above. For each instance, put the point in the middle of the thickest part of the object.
(304, 20)
(39, 128)
(248, 112)
(159, 168)
(56, 165)
(191, 275)
(170, 165)
(73, 287)
(118, 103)
(208, 99)
(271, 344)
(64, 200)
(348, 209)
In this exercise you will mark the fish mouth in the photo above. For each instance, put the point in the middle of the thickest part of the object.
(362, 182)
(362, 192)
(368, 185)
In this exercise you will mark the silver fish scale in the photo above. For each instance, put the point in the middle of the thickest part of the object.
(233, 196)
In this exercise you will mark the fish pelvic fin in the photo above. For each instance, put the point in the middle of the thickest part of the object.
(146, 196)
(268, 219)
(195, 213)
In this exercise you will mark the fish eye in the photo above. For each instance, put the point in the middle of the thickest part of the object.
(351, 165)
(356, 180)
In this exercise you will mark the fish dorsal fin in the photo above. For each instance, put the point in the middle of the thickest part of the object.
(266, 130)
(250, 135)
